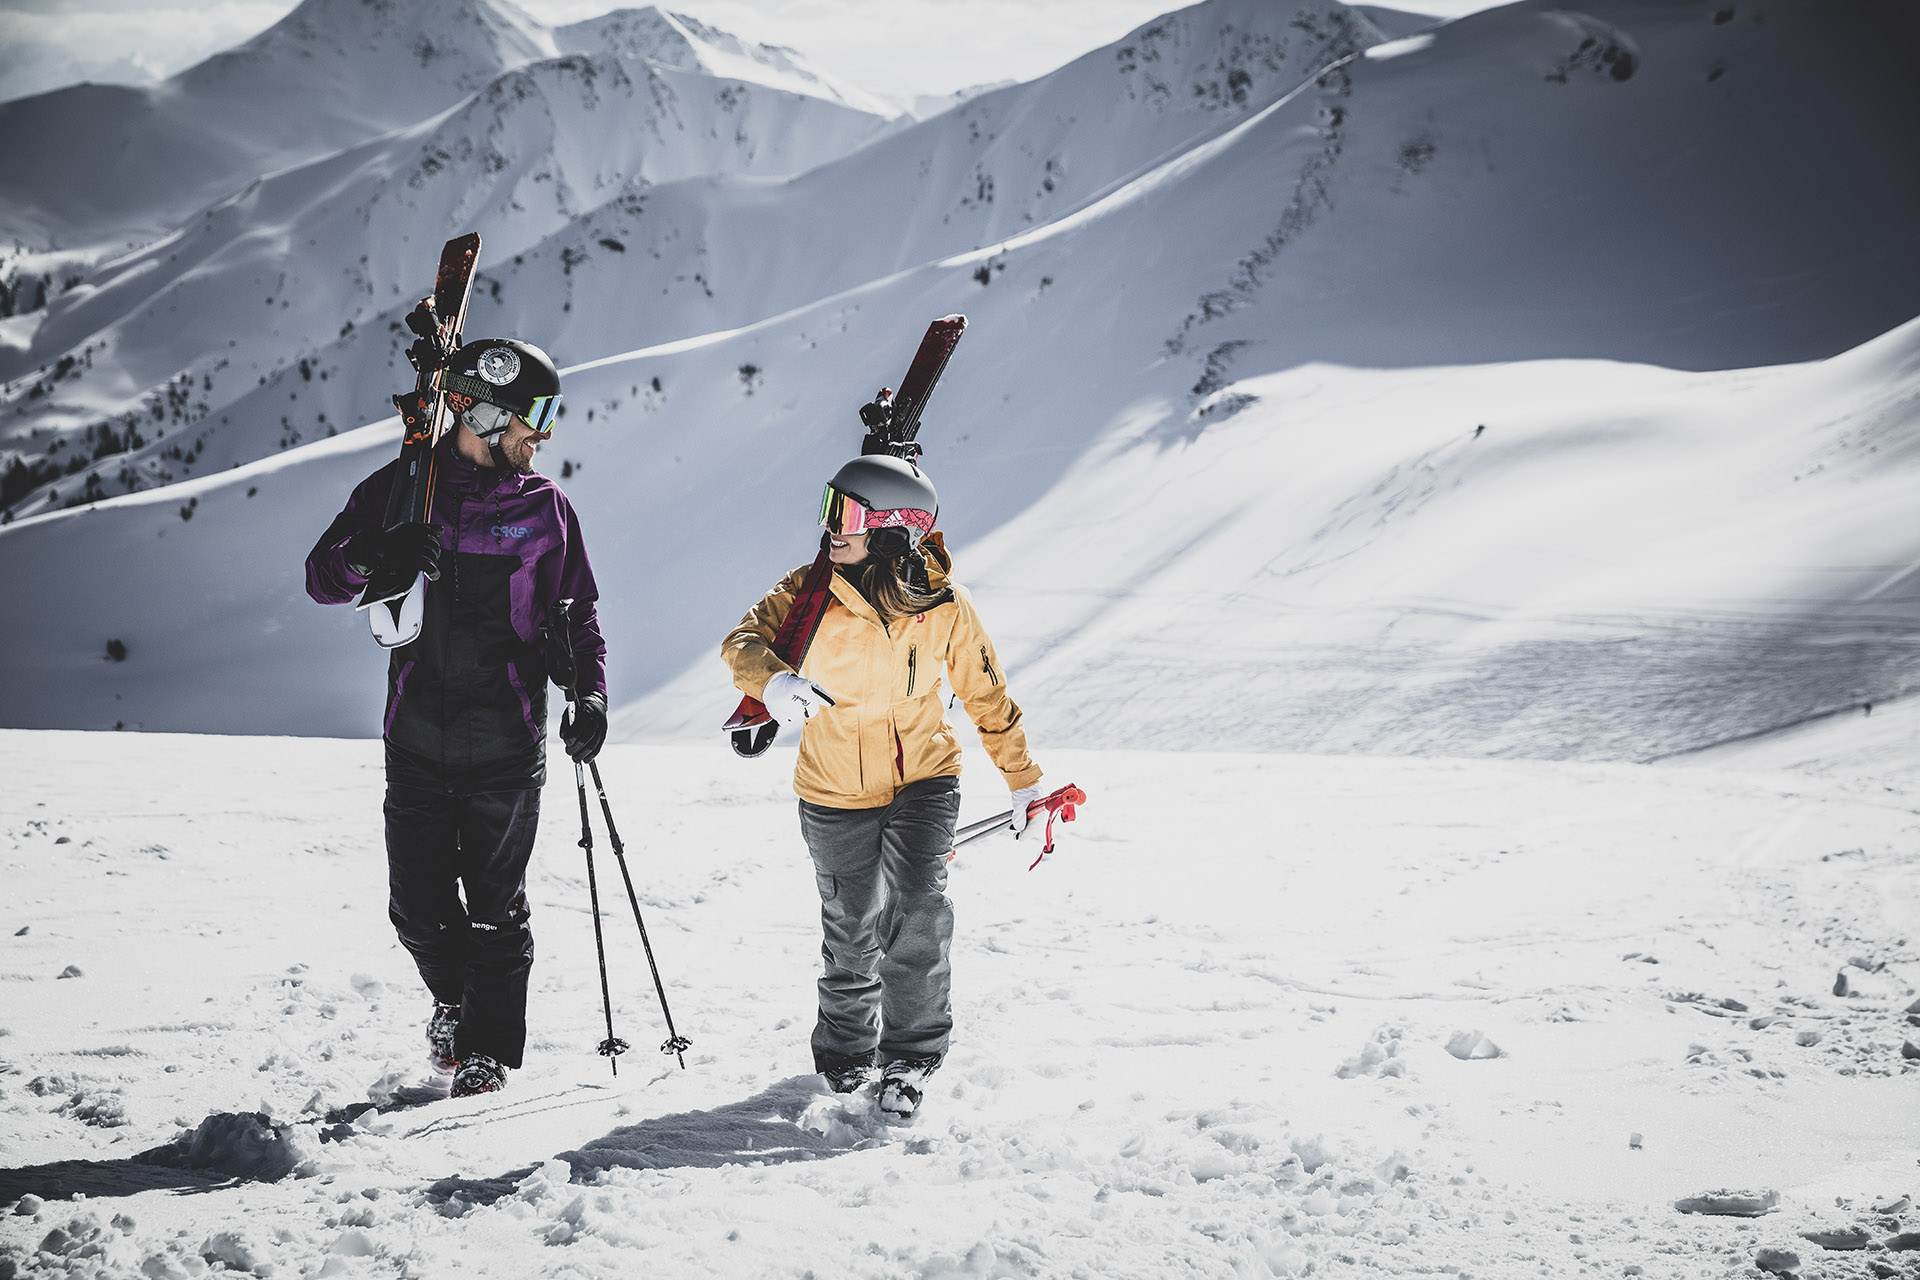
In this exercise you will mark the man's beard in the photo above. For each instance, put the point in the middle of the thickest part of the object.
(501, 460)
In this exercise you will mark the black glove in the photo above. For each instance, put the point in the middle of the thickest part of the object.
(584, 728)
(404, 549)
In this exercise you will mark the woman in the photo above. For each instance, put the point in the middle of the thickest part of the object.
(879, 768)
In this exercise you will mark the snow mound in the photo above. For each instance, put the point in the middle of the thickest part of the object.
(248, 1145)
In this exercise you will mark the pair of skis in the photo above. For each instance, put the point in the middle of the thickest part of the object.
(395, 604)
(892, 419)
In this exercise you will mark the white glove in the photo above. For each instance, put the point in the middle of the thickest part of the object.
(1021, 799)
(793, 699)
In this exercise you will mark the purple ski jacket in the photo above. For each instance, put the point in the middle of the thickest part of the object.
(467, 700)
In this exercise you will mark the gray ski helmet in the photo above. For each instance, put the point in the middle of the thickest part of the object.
(507, 374)
(878, 492)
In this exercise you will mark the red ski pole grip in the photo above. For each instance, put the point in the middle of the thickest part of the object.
(1063, 804)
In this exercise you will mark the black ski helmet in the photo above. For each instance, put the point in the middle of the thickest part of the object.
(891, 499)
(508, 374)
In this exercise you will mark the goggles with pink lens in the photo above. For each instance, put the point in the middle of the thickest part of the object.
(843, 513)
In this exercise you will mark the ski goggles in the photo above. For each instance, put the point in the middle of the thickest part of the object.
(490, 420)
(843, 513)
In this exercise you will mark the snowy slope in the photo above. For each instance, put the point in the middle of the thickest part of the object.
(1183, 537)
(622, 203)
(270, 318)
(1002, 163)
(310, 162)
(1209, 1037)
(1551, 211)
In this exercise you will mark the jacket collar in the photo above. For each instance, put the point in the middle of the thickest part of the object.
(849, 595)
(934, 547)
(939, 562)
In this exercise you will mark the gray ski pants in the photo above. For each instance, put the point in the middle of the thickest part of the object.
(888, 925)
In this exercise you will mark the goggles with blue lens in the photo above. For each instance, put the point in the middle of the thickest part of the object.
(542, 414)
(490, 421)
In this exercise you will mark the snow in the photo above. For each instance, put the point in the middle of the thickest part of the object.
(1400, 48)
(1450, 508)
(1212, 1035)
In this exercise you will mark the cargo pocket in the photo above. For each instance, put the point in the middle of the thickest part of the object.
(829, 885)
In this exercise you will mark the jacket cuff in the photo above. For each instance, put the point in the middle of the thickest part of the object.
(1022, 777)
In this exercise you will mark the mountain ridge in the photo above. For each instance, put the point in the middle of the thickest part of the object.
(1451, 401)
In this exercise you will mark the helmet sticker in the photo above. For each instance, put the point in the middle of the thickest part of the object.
(499, 365)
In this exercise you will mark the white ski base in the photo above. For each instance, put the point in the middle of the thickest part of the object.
(397, 623)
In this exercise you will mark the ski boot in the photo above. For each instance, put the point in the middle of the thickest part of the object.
(848, 1078)
(440, 1029)
(903, 1082)
(478, 1074)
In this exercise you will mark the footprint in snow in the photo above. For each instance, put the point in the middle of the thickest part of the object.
(845, 1119)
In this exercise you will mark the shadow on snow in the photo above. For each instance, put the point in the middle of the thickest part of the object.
(763, 1129)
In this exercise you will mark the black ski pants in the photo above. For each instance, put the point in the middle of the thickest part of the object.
(475, 953)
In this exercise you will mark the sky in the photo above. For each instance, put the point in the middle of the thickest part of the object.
(901, 48)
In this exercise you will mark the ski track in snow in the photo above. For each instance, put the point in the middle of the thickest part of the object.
(1243, 1022)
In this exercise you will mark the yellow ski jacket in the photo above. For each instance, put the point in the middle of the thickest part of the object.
(888, 725)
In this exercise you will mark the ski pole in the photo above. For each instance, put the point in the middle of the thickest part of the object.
(676, 1044)
(1063, 803)
(612, 1047)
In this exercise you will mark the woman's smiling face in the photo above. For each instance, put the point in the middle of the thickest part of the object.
(846, 548)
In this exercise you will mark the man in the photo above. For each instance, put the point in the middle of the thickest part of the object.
(465, 719)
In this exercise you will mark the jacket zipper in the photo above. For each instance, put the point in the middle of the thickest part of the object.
(986, 665)
(913, 653)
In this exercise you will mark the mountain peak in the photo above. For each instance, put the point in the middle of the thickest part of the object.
(652, 34)
(401, 53)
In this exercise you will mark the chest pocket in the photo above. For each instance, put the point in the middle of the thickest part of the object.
(480, 630)
(920, 652)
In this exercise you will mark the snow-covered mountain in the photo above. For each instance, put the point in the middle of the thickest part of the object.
(109, 368)
(624, 200)
(105, 164)
(102, 163)
(652, 34)
(1198, 453)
